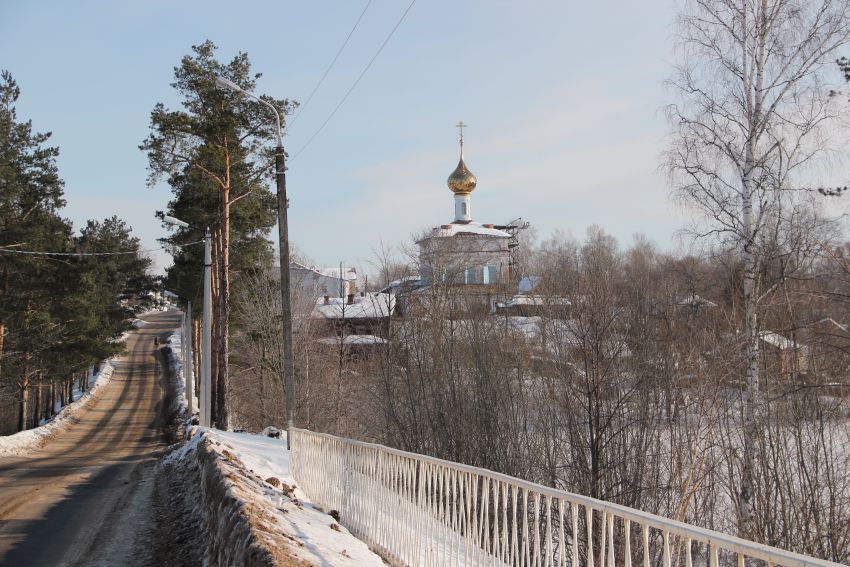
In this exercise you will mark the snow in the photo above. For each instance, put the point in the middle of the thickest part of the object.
(533, 301)
(528, 327)
(354, 340)
(25, 442)
(695, 300)
(175, 341)
(325, 542)
(777, 340)
(371, 306)
(266, 458)
(472, 228)
(349, 273)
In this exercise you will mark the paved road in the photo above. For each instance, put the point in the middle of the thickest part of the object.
(89, 488)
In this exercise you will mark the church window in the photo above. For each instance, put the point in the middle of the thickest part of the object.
(463, 209)
(475, 275)
(492, 274)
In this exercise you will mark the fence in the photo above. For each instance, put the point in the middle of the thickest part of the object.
(417, 510)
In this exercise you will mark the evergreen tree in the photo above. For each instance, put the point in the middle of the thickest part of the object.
(30, 196)
(216, 157)
(59, 312)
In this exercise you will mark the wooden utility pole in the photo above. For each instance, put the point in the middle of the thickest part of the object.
(285, 297)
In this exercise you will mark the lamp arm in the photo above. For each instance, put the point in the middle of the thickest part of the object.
(221, 81)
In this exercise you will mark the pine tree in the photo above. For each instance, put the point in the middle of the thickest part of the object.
(30, 196)
(59, 312)
(216, 157)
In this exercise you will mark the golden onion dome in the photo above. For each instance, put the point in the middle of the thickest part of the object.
(462, 181)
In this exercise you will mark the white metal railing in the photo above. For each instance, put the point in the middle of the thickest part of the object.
(417, 510)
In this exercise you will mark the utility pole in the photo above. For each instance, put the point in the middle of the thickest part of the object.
(188, 357)
(206, 340)
(285, 297)
(206, 350)
(283, 236)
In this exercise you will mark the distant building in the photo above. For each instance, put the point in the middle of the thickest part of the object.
(526, 305)
(465, 252)
(318, 282)
(365, 314)
(401, 290)
(783, 355)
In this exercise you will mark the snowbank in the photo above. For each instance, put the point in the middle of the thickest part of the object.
(27, 441)
(175, 367)
(253, 511)
(175, 362)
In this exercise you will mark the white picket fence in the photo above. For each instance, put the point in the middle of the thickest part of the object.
(417, 510)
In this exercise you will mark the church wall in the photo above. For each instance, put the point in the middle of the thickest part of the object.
(465, 260)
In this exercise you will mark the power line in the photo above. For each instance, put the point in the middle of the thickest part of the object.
(328, 70)
(331, 115)
(123, 252)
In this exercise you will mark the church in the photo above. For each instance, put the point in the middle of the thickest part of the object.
(465, 252)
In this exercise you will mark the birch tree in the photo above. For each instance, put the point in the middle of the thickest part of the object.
(748, 123)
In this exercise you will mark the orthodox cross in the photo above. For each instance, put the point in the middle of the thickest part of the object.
(460, 125)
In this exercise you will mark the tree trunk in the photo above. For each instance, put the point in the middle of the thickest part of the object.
(750, 425)
(263, 416)
(23, 405)
(2, 344)
(215, 272)
(224, 414)
(38, 403)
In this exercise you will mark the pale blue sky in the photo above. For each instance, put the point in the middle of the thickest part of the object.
(563, 100)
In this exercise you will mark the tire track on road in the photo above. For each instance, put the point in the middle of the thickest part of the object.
(55, 502)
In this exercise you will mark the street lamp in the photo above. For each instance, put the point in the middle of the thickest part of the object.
(206, 336)
(283, 236)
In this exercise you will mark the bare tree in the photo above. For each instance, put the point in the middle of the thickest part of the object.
(752, 107)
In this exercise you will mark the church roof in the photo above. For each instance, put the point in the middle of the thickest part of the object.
(470, 229)
(461, 181)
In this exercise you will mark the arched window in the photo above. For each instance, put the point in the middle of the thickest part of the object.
(463, 209)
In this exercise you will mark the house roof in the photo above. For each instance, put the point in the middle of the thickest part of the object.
(533, 301)
(411, 281)
(777, 340)
(695, 300)
(369, 306)
(348, 273)
(353, 340)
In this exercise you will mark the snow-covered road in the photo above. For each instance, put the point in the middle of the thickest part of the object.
(88, 492)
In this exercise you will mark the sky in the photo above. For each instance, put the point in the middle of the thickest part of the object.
(564, 102)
